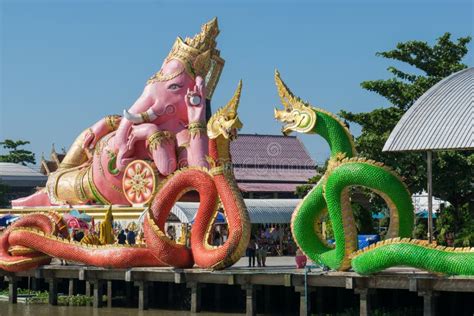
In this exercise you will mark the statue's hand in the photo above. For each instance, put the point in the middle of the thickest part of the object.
(140, 132)
(89, 140)
(94, 134)
(196, 101)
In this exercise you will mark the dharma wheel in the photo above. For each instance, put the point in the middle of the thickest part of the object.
(139, 182)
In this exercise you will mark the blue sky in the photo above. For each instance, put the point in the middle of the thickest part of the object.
(64, 65)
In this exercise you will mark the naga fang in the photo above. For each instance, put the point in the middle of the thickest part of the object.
(331, 195)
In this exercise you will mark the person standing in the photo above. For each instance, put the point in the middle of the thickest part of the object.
(251, 248)
(261, 252)
(130, 237)
(121, 238)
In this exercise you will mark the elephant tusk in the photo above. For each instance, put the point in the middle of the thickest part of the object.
(143, 117)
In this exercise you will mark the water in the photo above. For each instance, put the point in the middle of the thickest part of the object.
(20, 309)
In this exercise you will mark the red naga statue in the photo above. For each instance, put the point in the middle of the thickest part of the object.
(125, 160)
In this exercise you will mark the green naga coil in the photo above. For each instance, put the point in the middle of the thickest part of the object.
(331, 196)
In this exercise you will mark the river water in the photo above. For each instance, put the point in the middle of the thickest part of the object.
(21, 309)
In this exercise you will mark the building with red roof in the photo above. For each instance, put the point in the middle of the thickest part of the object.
(270, 166)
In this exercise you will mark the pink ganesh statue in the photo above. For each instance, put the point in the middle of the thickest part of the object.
(167, 124)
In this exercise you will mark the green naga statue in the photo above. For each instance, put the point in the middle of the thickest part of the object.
(331, 197)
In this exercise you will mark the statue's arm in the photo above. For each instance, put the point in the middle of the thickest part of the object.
(101, 128)
(198, 144)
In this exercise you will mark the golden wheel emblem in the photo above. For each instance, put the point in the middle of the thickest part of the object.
(139, 182)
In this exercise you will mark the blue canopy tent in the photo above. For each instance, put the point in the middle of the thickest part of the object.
(82, 216)
(424, 214)
(220, 219)
(362, 240)
(8, 219)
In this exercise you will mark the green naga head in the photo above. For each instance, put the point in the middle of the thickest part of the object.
(297, 115)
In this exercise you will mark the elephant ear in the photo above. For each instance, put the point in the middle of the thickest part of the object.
(202, 64)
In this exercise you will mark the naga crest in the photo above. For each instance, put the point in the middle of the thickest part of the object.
(297, 115)
(225, 120)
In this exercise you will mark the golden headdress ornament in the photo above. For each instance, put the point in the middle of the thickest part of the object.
(199, 57)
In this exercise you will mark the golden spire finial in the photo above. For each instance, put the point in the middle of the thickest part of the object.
(206, 39)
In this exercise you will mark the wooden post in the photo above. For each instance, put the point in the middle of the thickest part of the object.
(88, 289)
(250, 299)
(364, 307)
(109, 294)
(53, 291)
(71, 287)
(12, 289)
(305, 300)
(143, 290)
(429, 302)
(97, 293)
(195, 297)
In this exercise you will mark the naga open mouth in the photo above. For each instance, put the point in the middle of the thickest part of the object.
(297, 115)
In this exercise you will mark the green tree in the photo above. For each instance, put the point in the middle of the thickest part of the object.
(455, 228)
(452, 170)
(16, 155)
(303, 189)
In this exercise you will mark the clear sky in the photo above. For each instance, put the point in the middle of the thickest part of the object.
(66, 64)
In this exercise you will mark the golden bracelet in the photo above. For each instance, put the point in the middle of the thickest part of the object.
(112, 122)
(158, 138)
(145, 117)
(196, 128)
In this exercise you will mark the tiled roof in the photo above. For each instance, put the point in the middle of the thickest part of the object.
(272, 150)
(270, 163)
(267, 187)
(273, 174)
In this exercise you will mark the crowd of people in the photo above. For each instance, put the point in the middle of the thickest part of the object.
(269, 240)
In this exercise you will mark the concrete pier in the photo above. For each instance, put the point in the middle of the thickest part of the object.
(258, 286)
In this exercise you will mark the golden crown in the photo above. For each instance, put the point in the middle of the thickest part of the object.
(199, 57)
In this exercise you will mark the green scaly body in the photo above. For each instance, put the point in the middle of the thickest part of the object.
(331, 194)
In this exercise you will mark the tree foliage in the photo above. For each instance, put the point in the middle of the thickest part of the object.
(303, 189)
(452, 170)
(455, 228)
(16, 155)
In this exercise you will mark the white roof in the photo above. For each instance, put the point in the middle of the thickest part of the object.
(261, 211)
(441, 119)
(17, 175)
